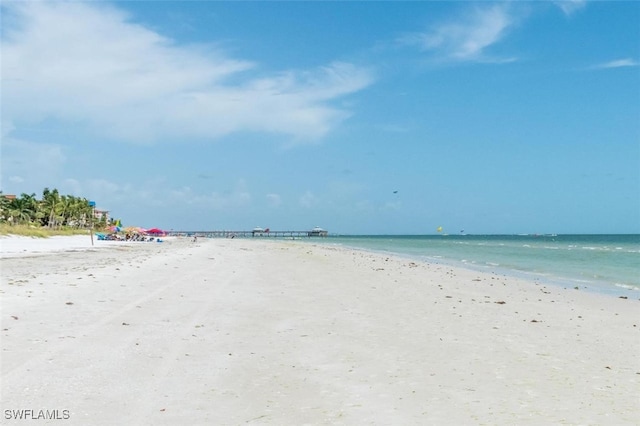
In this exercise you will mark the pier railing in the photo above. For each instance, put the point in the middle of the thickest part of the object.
(250, 234)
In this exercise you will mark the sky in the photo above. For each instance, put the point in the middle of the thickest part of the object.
(361, 117)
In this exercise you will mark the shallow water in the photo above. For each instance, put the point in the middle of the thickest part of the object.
(603, 263)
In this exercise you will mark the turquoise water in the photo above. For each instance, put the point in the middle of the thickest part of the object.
(602, 263)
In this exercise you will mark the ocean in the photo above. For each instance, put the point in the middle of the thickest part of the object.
(601, 263)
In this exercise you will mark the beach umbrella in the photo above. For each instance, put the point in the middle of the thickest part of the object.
(114, 229)
(134, 230)
(155, 231)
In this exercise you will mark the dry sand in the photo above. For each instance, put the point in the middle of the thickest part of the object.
(17, 246)
(231, 332)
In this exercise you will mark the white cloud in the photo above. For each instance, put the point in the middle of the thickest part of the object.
(618, 63)
(365, 206)
(108, 193)
(392, 205)
(72, 186)
(156, 194)
(274, 200)
(6, 127)
(468, 39)
(237, 198)
(569, 7)
(90, 65)
(308, 200)
(37, 164)
(103, 186)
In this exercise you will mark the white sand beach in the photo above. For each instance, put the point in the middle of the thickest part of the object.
(241, 331)
(18, 246)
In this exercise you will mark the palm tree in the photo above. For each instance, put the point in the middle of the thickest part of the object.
(23, 209)
(4, 207)
(53, 211)
(50, 200)
(79, 211)
(66, 206)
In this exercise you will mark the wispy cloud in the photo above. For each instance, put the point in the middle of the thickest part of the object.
(468, 38)
(33, 162)
(392, 205)
(618, 63)
(90, 65)
(569, 7)
(274, 200)
(308, 200)
(158, 192)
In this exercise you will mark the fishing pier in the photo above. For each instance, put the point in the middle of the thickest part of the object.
(255, 233)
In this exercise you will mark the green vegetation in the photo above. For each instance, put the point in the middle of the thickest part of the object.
(39, 232)
(53, 214)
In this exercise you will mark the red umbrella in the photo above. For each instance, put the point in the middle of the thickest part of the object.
(155, 231)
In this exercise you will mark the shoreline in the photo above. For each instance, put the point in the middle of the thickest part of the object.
(594, 285)
(230, 331)
(23, 246)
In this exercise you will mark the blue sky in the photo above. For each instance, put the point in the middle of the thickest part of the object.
(359, 117)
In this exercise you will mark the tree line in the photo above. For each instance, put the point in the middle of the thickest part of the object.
(52, 211)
